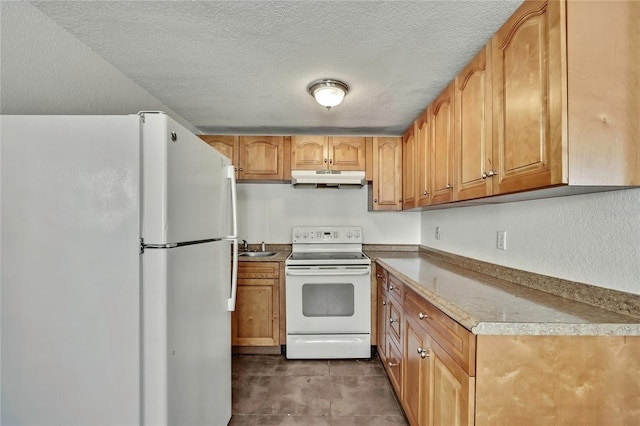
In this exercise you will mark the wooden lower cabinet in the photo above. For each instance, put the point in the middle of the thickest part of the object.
(255, 322)
(437, 391)
(444, 375)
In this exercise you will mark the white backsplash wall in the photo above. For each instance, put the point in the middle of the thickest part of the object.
(593, 238)
(267, 212)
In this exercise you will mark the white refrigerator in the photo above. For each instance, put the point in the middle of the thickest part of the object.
(118, 272)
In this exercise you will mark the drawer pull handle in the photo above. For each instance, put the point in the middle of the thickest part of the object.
(422, 316)
(393, 364)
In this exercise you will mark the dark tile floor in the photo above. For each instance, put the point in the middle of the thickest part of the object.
(271, 390)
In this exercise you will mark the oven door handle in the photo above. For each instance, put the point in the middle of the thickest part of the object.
(326, 272)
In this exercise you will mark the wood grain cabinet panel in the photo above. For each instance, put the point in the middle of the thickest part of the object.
(387, 174)
(423, 152)
(442, 132)
(347, 153)
(328, 153)
(473, 150)
(527, 99)
(409, 169)
(255, 321)
(261, 158)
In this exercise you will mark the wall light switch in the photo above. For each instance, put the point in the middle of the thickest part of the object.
(502, 240)
(437, 232)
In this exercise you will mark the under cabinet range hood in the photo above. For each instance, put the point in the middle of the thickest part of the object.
(327, 179)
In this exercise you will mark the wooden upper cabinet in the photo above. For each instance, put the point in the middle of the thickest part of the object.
(603, 73)
(226, 144)
(327, 152)
(261, 158)
(527, 98)
(387, 173)
(442, 133)
(409, 169)
(423, 147)
(309, 152)
(347, 153)
(473, 151)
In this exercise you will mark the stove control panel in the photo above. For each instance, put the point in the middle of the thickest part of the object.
(326, 234)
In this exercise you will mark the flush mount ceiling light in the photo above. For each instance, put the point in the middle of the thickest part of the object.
(328, 92)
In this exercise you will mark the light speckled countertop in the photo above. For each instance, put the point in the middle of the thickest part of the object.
(487, 305)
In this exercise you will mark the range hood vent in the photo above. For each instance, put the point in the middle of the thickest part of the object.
(327, 179)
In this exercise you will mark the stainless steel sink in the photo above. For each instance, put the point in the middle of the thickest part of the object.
(257, 253)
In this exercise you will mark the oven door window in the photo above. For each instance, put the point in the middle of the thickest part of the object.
(328, 300)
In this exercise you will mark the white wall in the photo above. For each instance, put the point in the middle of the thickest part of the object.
(593, 238)
(45, 70)
(267, 212)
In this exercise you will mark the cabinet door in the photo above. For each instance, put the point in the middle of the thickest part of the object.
(309, 153)
(408, 169)
(442, 147)
(527, 98)
(452, 390)
(226, 144)
(255, 320)
(383, 318)
(473, 149)
(347, 153)
(394, 367)
(387, 173)
(261, 157)
(417, 374)
(423, 147)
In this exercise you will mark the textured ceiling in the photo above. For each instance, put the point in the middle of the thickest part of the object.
(243, 66)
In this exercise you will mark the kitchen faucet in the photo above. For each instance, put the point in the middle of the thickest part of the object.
(245, 245)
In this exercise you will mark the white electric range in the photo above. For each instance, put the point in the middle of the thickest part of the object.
(328, 294)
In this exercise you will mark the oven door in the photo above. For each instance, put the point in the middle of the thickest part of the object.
(328, 299)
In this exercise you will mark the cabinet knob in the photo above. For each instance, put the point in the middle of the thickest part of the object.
(331, 161)
(375, 200)
(488, 174)
(241, 169)
(423, 353)
(391, 288)
(393, 364)
(449, 186)
(325, 160)
(422, 316)
(391, 320)
(384, 303)
(425, 193)
(379, 275)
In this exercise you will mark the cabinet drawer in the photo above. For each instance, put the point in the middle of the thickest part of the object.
(456, 340)
(395, 288)
(258, 269)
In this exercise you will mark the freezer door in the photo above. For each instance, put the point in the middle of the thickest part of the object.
(185, 184)
(187, 335)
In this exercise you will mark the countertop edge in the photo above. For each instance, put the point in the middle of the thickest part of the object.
(479, 327)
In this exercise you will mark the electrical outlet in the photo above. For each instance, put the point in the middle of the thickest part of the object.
(437, 232)
(502, 240)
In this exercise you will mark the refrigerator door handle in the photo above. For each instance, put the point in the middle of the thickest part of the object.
(231, 302)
